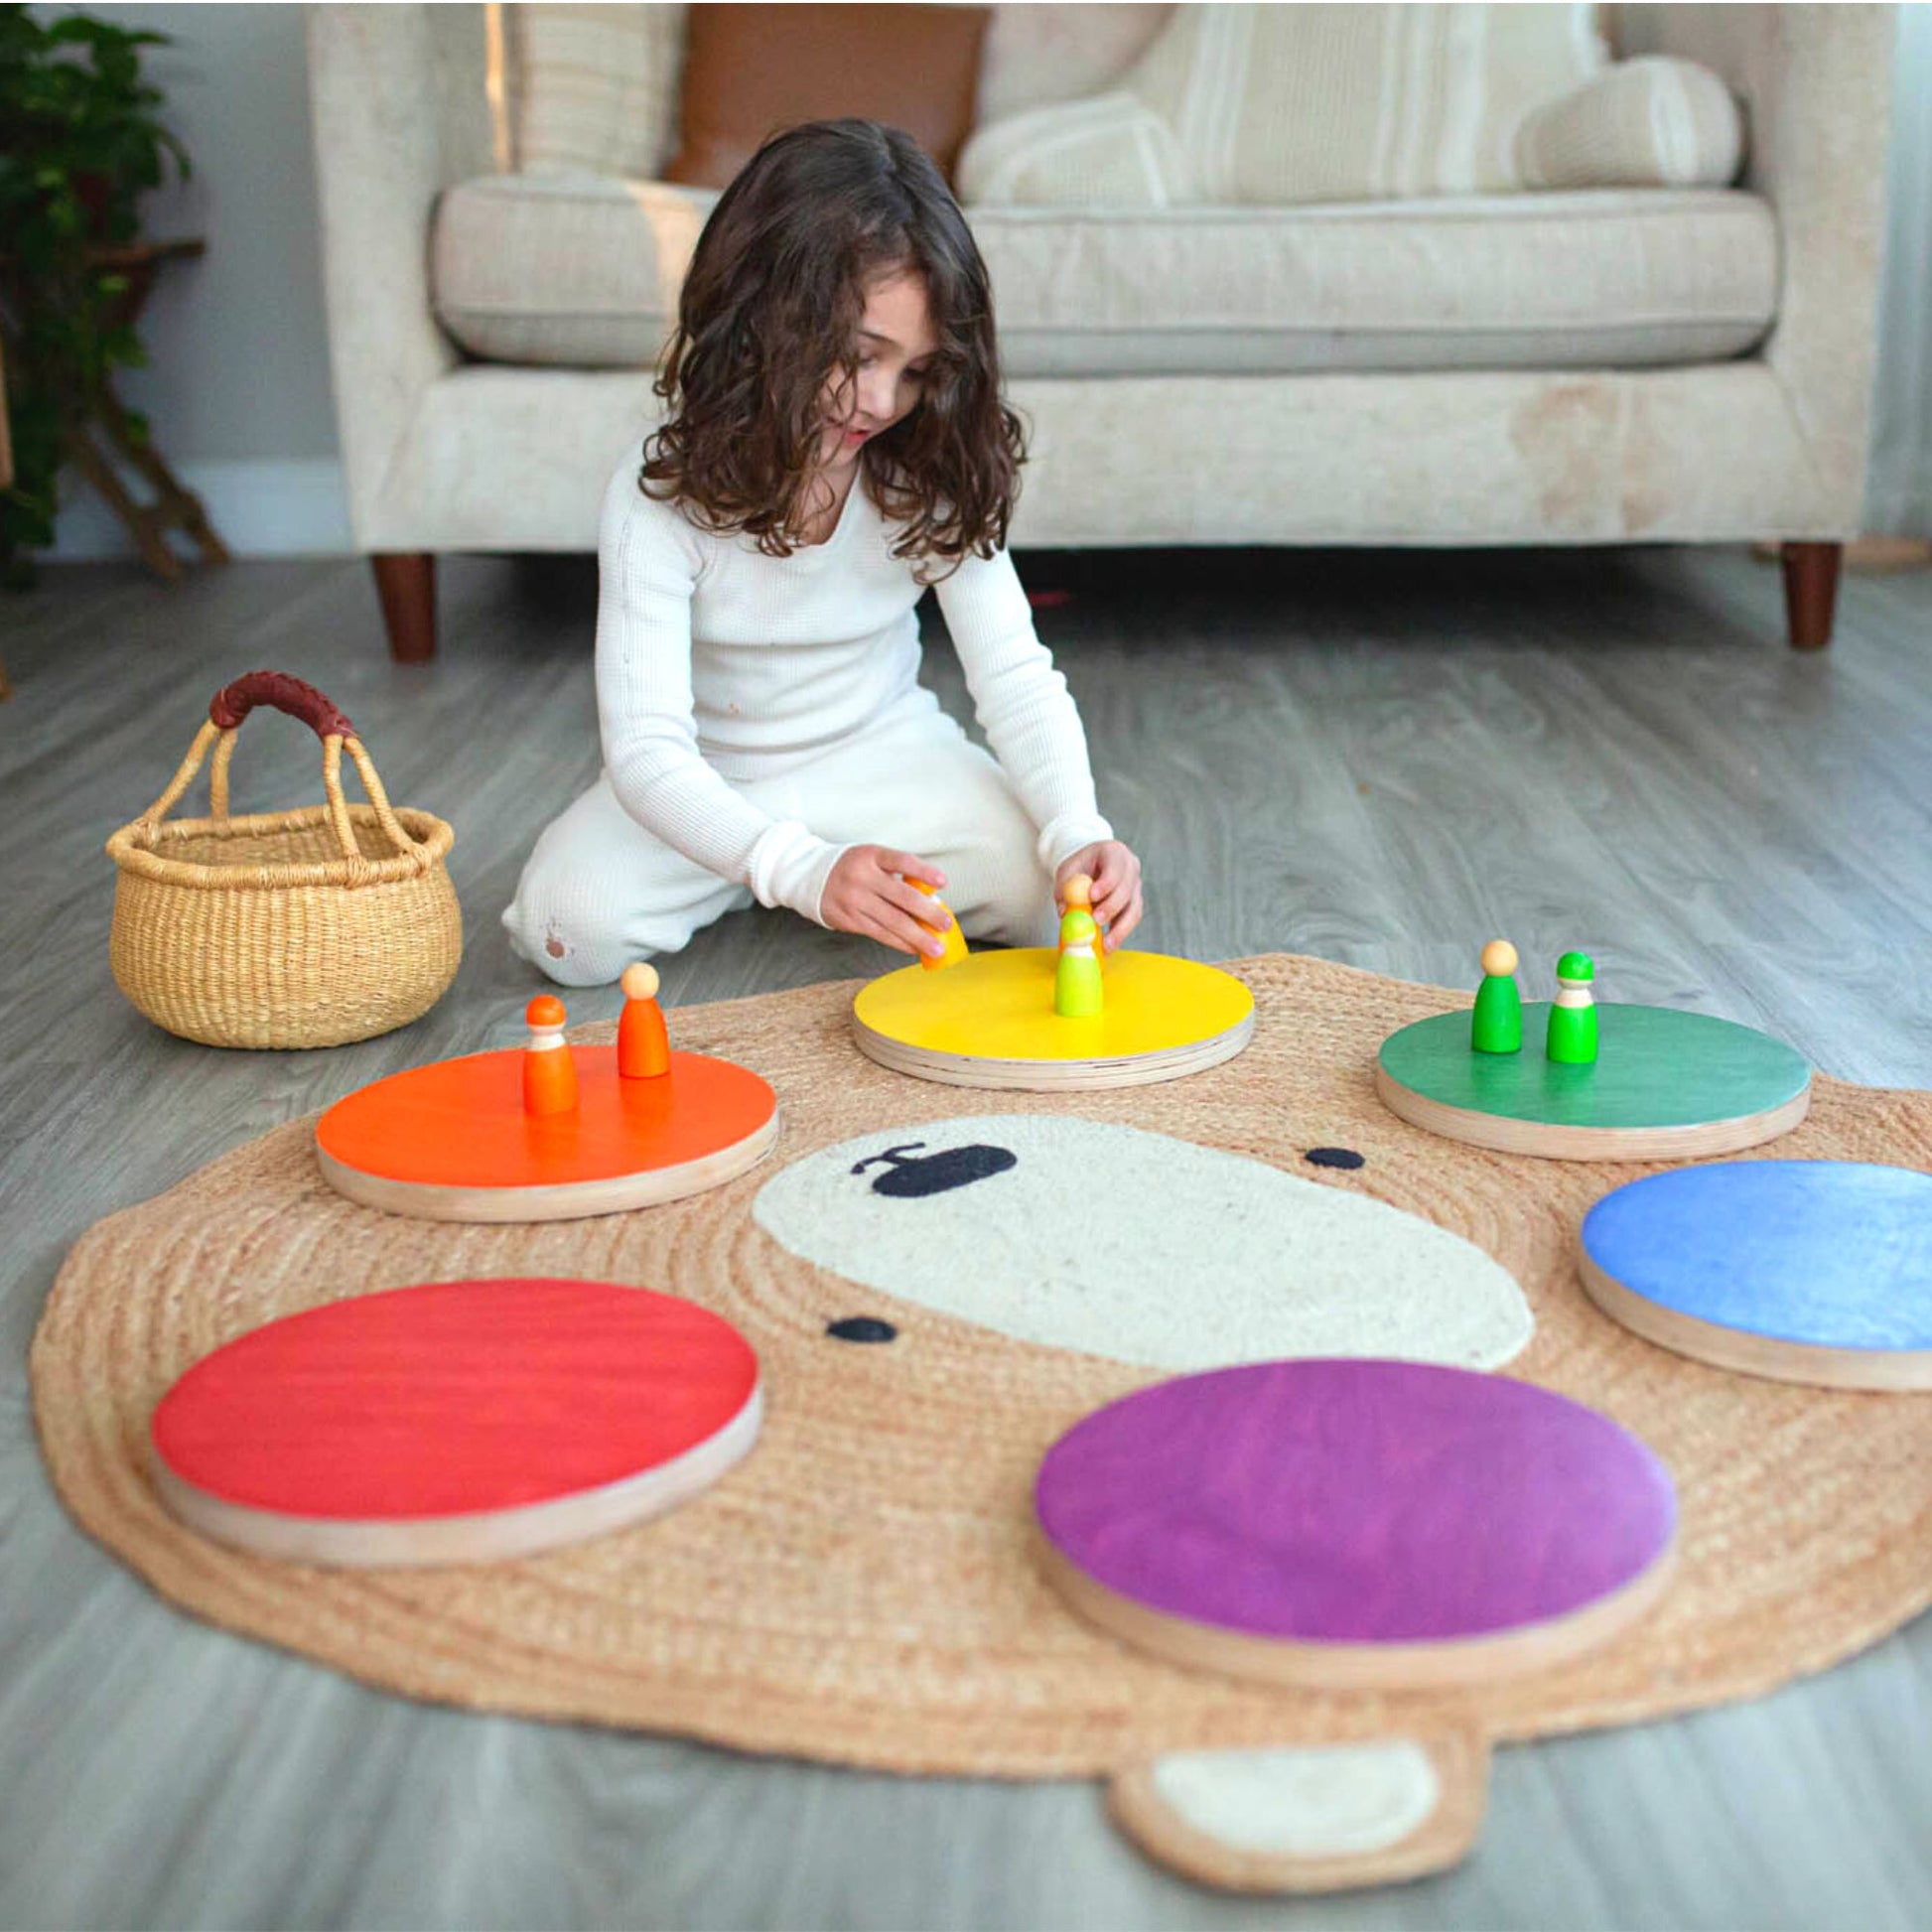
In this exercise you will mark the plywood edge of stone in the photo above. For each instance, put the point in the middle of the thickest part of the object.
(1543, 1140)
(568, 1201)
(1458, 1663)
(1052, 1076)
(480, 1536)
(1897, 1371)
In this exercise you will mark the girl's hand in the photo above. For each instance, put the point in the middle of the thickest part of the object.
(867, 893)
(1116, 875)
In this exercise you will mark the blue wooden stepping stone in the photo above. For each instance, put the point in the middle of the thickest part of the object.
(1803, 1270)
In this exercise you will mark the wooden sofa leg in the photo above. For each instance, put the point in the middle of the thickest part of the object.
(405, 581)
(1810, 591)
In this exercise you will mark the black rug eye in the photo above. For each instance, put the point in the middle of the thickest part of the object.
(1334, 1157)
(935, 1173)
(860, 1328)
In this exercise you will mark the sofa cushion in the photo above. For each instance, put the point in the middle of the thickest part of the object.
(751, 70)
(1653, 122)
(1297, 103)
(1039, 52)
(585, 272)
(593, 87)
(1617, 279)
(581, 271)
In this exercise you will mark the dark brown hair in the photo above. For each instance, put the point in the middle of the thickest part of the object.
(770, 313)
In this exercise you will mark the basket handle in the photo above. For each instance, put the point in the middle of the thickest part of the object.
(232, 703)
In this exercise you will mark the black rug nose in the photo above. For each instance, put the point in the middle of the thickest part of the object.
(934, 1174)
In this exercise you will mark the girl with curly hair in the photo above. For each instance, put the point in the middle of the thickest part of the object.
(834, 441)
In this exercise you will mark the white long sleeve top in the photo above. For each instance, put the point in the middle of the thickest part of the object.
(717, 664)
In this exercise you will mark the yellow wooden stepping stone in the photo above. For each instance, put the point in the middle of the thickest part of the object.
(989, 1021)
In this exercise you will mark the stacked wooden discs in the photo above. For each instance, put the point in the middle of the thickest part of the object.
(989, 1021)
(1352, 1524)
(1667, 1086)
(452, 1141)
(1803, 1270)
(456, 1422)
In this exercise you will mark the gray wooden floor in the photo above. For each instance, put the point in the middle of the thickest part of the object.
(1379, 760)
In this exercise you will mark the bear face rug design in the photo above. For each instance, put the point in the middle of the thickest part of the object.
(1087, 1235)
(865, 1586)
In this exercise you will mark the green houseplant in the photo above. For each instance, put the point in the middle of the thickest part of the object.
(80, 142)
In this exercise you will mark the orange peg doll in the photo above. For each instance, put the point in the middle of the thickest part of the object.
(643, 1044)
(549, 1072)
(1078, 894)
(955, 938)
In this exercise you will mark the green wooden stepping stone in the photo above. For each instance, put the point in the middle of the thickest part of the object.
(1665, 1085)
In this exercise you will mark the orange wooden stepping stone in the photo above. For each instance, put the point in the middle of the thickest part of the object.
(456, 1422)
(452, 1142)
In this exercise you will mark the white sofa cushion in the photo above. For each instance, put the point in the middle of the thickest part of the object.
(593, 87)
(581, 271)
(1653, 122)
(584, 272)
(1519, 281)
(1037, 51)
(1298, 103)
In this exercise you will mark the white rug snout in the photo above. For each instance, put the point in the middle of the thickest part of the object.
(1113, 1241)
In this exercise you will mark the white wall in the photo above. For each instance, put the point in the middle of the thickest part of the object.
(237, 392)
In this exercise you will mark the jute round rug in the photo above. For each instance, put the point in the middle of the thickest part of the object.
(864, 1587)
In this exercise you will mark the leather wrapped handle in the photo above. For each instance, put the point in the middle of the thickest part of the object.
(228, 707)
(233, 702)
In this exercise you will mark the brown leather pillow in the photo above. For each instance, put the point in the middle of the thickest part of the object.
(749, 71)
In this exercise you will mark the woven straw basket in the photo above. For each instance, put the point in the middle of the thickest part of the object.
(303, 928)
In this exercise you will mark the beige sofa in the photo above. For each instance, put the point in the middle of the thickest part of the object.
(1611, 367)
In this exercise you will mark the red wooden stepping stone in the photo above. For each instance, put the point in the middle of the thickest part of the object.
(1350, 1524)
(458, 1421)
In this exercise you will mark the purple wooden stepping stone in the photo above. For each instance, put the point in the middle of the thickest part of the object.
(1356, 1507)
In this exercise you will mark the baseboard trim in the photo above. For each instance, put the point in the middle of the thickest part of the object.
(267, 508)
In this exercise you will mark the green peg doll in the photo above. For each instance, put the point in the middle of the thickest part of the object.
(1573, 1018)
(1077, 985)
(1497, 1025)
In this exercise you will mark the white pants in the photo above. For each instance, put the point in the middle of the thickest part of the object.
(600, 891)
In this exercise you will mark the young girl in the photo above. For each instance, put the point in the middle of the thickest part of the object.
(835, 441)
